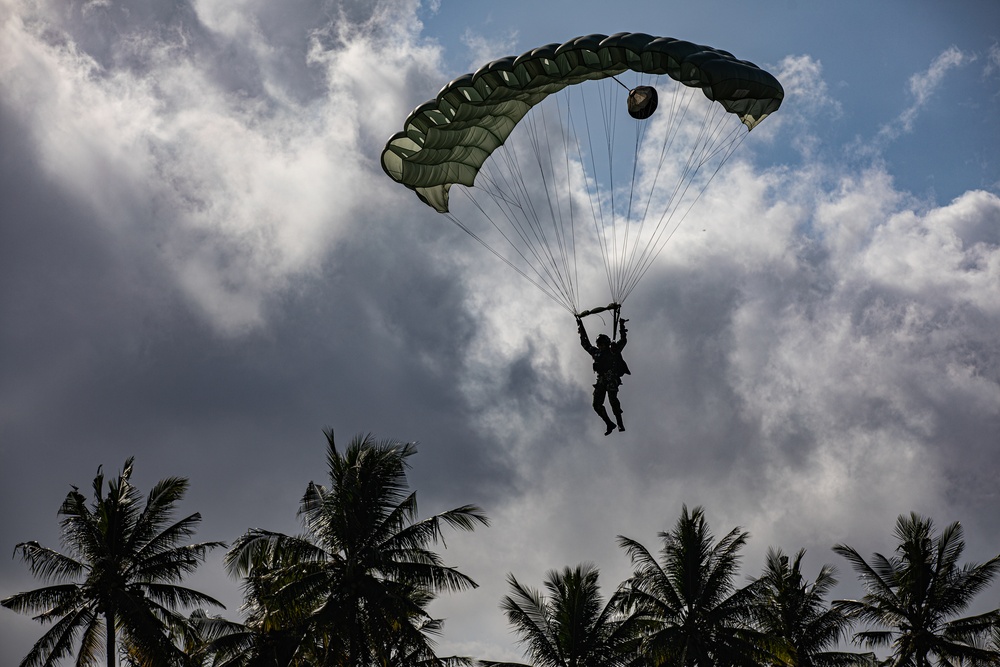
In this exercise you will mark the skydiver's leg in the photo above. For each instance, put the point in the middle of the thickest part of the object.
(599, 393)
(616, 407)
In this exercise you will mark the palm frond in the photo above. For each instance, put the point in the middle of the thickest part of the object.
(45, 599)
(47, 564)
(125, 569)
(259, 547)
(58, 641)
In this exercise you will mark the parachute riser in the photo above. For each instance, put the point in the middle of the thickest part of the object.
(614, 307)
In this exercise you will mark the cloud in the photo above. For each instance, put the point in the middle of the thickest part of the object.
(483, 49)
(241, 193)
(802, 79)
(204, 265)
(809, 354)
(808, 369)
(808, 100)
(922, 87)
(992, 60)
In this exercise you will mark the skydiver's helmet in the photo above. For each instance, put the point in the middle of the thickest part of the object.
(603, 341)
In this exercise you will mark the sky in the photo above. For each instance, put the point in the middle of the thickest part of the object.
(203, 265)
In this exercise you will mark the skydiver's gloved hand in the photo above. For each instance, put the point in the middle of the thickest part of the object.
(621, 327)
(579, 323)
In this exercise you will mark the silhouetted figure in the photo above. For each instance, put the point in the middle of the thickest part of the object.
(610, 367)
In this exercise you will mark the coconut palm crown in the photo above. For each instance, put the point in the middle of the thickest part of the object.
(802, 629)
(688, 601)
(913, 598)
(353, 588)
(572, 626)
(120, 575)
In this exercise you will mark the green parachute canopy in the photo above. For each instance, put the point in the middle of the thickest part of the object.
(448, 140)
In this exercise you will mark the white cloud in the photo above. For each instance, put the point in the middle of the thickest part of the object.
(483, 49)
(813, 353)
(922, 87)
(808, 351)
(829, 392)
(992, 60)
(802, 79)
(807, 101)
(240, 193)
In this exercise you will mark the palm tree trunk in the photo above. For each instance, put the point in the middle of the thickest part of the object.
(109, 623)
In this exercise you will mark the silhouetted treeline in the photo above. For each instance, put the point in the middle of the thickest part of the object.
(352, 590)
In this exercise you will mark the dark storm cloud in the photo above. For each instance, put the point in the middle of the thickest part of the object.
(104, 359)
(92, 308)
(105, 356)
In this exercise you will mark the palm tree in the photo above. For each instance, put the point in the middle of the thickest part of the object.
(271, 634)
(401, 651)
(693, 612)
(120, 575)
(799, 625)
(270, 643)
(912, 597)
(571, 628)
(353, 588)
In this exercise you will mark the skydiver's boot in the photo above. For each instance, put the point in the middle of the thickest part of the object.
(603, 412)
(618, 418)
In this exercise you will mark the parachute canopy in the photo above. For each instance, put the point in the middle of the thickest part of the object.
(448, 140)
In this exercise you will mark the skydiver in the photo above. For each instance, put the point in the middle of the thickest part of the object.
(610, 367)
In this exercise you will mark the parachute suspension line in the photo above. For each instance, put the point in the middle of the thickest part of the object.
(667, 225)
(539, 241)
(632, 227)
(566, 233)
(503, 181)
(612, 260)
(635, 221)
(641, 128)
(671, 119)
(510, 205)
(723, 144)
(680, 104)
(569, 132)
(539, 284)
(675, 119)
(555, 210)
(626, 233)
(544, 247)
(513, 245)
(596, 207)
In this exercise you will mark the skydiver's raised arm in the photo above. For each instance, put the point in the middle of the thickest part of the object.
(584, 340)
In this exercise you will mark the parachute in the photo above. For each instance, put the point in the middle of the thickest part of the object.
(565, 166)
